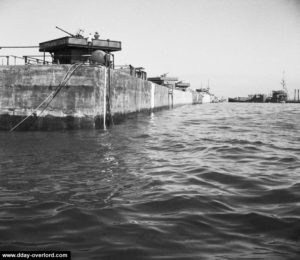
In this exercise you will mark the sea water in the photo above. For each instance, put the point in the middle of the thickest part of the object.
(212, 181)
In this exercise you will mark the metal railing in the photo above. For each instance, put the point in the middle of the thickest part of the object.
(33, 59)
(27, 59)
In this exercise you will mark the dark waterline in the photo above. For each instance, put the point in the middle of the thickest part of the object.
(215, 181)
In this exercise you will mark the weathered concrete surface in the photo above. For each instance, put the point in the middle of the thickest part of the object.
(182, 97)
(23, 88)
(81, 103)
(128, 94)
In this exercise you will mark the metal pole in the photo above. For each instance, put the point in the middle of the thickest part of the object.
(295, 94)
(104, 101)
(108, 96)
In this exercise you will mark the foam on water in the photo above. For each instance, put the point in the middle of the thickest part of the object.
(215, 181)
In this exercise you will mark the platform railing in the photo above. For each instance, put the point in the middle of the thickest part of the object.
(33, 59)
(7, 60)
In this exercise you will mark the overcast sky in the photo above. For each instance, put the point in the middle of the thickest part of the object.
(240, 46)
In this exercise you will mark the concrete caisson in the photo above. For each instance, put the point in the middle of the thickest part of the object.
(91, 92)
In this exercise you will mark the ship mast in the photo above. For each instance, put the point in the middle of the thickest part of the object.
(283, 82)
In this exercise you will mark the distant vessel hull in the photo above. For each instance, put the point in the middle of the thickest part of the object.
(257, 98)
(236, 100)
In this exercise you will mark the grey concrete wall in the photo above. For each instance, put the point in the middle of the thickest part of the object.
(23, 88)
(182, 97)
(161, 97)
(129, 94)
(81, 103)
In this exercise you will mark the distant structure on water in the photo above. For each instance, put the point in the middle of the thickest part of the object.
(277, 96)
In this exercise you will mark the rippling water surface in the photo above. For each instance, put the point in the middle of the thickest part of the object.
(215, 181)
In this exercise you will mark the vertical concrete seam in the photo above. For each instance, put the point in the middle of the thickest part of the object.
(152, 95)
(97, 95)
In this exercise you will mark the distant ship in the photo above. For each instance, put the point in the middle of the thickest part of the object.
(278, 96)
